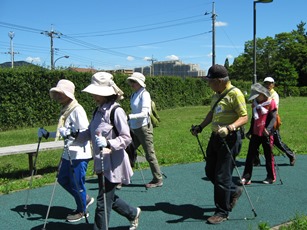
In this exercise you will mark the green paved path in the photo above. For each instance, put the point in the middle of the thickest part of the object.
(184, 202)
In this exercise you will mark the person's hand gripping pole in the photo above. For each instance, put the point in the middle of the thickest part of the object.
(195, 129)
(101, 142)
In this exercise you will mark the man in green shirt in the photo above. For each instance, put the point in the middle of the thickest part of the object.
(228, 113)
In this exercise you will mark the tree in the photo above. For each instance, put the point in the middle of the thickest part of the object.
(285, 74)
(272, 52)
(226, 64)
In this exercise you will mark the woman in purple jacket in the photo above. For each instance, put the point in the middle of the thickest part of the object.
(116, 166)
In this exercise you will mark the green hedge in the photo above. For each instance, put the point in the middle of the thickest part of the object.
(25, 101)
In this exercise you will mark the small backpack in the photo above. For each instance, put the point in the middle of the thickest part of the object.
(130, 149)
(154, 116)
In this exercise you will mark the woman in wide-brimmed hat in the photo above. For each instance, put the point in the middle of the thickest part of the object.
(140, 123)
(116, 163)
(72, 114)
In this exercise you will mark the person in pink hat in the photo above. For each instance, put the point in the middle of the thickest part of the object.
(72, 114)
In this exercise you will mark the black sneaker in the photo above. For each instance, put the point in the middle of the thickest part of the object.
(76, 216)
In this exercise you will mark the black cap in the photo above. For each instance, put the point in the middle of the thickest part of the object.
(217, 71)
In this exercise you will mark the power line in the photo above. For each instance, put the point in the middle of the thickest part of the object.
(112, 32)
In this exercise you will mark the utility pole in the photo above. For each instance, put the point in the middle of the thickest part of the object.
(52, 34)
(213, 33)
(213, 16)
(11, 35)
(152, 60)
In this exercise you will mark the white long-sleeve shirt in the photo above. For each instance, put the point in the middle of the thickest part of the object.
(79, 120)
(140, 104)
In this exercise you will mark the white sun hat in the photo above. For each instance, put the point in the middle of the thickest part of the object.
(64, 86)
(138, 77)
(102, 84)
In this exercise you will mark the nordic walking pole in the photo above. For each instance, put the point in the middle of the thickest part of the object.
(32, 174)
(249, 199)
(277, 169)
(56, 180)
(137, 160)
(201, 147)
(103, 187)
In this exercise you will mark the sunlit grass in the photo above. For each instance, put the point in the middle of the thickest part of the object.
(173, 143)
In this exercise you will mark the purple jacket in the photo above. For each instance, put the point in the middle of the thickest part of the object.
(116, 163)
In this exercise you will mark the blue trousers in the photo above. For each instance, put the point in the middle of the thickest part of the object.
(75, 185)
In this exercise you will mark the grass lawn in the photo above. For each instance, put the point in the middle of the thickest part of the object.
(173, 143)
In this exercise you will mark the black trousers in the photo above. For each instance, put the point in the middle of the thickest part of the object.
(219, 169)
(280, 145)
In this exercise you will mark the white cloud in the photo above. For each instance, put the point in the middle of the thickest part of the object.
(33, 59)
(147, 58)
(172, 57)
(219, 24)
(209, 54)
(130, 58)
(229, 56)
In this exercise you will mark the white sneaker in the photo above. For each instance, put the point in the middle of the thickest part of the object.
(135, 223)
(89, 201)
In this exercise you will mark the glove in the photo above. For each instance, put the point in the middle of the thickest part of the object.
(223, 131)
(42, 133)
(64, 132)
(73, 132)
(196, 129)
(101, 141)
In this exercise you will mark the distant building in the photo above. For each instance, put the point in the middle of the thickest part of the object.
(172, 68)
(82, 70)
(123, 71)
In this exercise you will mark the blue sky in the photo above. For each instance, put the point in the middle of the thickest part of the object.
(119, 34)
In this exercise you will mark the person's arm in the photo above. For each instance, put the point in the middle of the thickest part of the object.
(199, 128)
(239, 122)
(270, 126)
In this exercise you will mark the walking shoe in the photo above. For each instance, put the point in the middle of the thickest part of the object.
(76, 216)
(135, 223)
(89, 201)
(153, 184)
(235, 197)
(216, 219)
(245, 181)
(292, 161)
(268, 181)
(119, 186)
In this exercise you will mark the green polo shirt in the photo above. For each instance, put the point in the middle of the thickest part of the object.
(229, 109)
